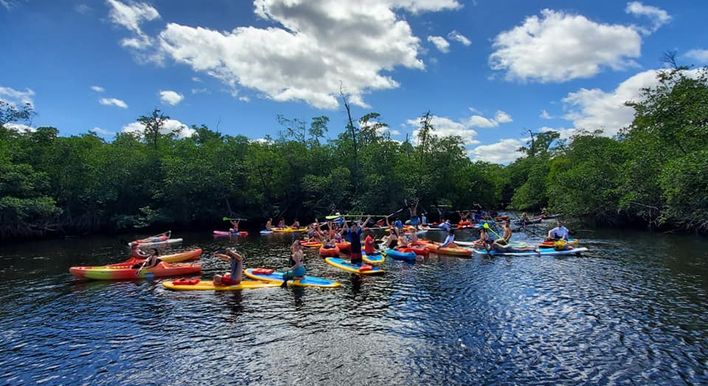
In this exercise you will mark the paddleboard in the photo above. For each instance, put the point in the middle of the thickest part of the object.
(208, 285)
(307, 281)
(538, 252)
(345, 265)
(373, 259)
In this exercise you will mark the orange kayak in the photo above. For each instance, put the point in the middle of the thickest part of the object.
(127, 272)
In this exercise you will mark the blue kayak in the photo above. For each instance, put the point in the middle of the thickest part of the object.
(398, 255)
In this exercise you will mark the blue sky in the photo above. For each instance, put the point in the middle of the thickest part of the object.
(487, 70)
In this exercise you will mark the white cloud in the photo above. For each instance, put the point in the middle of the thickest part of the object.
(440, 43)
(593, 109)
(444, 127)
(20, 128)
(244, 99)
(169, 126)
(502, 152)
(98, 88)
(565, 133)
(313, 48)
(458, 37)
(15, 97)
(131, 16)
(113, 102)
(545, 115)
(557, 47)
(700, 56)
(102, 132)
(170, 97)
(200, 91)
(657, 16)
(484, 122)
(196, 79)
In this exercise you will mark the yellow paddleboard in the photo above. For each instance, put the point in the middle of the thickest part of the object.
(208, 285)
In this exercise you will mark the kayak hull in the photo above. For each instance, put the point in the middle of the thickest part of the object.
(277, 278)
(398, 255)
(156, 243)
(127, 272)
(208, 285)
(329, 252)
(289, 230)
(353, 268)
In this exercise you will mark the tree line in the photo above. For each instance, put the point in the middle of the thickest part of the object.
(654, 173)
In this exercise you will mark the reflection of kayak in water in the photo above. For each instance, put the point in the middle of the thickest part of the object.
(536, 252)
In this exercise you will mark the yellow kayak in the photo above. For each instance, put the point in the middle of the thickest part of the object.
(208, 285)
(288, 230)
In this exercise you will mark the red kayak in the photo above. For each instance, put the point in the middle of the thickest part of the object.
(229, 233)
(127, 272)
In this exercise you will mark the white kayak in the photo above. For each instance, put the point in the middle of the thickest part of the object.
(157, 243)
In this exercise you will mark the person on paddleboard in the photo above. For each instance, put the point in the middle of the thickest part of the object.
(369, 245)
(297, 258)
(559, 232)
(236, 273)
(269, 224)
(354, 236)
(413, 209)
(484, 241)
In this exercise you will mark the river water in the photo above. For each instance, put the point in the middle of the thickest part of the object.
(632, 310)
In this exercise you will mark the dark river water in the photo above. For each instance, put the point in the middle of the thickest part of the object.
(632, 310)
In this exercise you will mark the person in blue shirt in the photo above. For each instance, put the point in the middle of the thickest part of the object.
(445, 225)
(423, 219)
(559, 232)
(449, 240)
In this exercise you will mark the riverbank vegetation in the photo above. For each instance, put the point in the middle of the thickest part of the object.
(654, 173)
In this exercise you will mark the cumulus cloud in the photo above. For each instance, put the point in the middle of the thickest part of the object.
(502, 152)
(480, 121)
(458, 37)
(444, 127)
(170, 97)
(657, 16)
(593, 109)
(545, 115)
(130, 16)
(113, 102)
(440, 43)
(98, 88)
(312, 50)
(700, 56)
(557, 47)
(16, 97)
(20, 128)
(170, 125)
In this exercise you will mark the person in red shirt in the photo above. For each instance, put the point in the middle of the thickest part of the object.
(369, 246)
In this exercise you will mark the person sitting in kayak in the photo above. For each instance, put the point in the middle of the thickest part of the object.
(138, 253)
(234, 226)
(445, 225)
(392, 238)
(281, 223)
(423, 219)
(269, 224)
(151, 261)
(297, 270)
(559, 232)
(236, 273)
(449, 240)
(296, 224)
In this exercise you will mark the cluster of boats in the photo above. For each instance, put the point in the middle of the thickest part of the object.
(183, 264)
